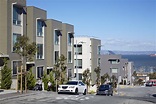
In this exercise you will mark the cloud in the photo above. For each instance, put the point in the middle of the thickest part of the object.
(128, 45)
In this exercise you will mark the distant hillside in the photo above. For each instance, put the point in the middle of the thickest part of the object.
(128, 52)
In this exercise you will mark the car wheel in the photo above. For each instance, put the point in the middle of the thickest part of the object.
(85, 92)
(76, 91)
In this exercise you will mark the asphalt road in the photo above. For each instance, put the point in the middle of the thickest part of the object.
(137, 95)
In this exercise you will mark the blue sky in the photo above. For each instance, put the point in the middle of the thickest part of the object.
(128, 25)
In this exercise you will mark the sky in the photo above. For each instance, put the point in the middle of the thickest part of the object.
(125, 25)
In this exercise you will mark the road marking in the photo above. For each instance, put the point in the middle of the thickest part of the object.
(77, 97)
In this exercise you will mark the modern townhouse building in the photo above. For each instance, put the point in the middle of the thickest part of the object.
(36, 25)
(52, 37)
(59, 41)
(115, 65)
(87, 55)
(67, 47)
(12, 25)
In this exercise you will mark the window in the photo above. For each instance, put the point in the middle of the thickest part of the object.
(15, 65)
(114, 70)
(49, 70)
(56, 56)
(114, 61)
(39, 51)
(57, 34)
(99, 50)
(70, 36)
(78, 50)
(40, 25)
(69, 73)
(17, 15)
(78, 63)
(39, 72)
(80, 76)
(15, 36)
(69, 57)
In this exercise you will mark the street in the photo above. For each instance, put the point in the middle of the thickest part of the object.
(136, 95)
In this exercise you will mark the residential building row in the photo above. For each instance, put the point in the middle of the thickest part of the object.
(52, 37)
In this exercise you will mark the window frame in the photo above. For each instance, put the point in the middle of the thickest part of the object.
(13, 43)
(19, 64)
(39, 55)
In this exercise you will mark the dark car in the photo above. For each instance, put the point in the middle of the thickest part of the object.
(105, 90)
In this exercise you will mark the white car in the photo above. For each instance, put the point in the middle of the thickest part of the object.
(75, 87)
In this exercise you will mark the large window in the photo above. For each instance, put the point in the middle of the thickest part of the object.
(17, 15)
(99, 50)
(78, 50)
(114, 70)
(70, 36)
(69, 57)
(15, 36)
(39, 72)
(57, 34)
(56, 56)
(39, 51)
(15, 65)
(40, 25)
(78, 63)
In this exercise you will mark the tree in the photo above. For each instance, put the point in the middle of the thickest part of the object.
(6, 79)
(152, 75)
(60, 71)
(97, 71)
(30, 79)
(26, 52)
(104, 78)
(114, 81)
(45, 80)
(86, 77)
(52, 80)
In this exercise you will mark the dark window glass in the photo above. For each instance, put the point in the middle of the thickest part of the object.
(39, 51)
(39, 72)
(56, 56)
(17, 15)
(15, 64)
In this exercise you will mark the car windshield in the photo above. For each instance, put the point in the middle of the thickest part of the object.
(104, 87)
(72, 83)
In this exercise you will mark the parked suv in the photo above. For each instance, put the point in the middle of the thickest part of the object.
(105, 89)
(75, 87)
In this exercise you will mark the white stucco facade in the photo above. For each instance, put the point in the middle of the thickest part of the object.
(89, 54)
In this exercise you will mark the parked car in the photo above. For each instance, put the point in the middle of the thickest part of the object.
(75, 87)
(105, 89)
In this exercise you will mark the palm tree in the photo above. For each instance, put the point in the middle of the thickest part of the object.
(97, 71)
(86, 77)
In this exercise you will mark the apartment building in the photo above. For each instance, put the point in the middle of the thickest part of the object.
(115, 65)
(87, 55)
(51, 36)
